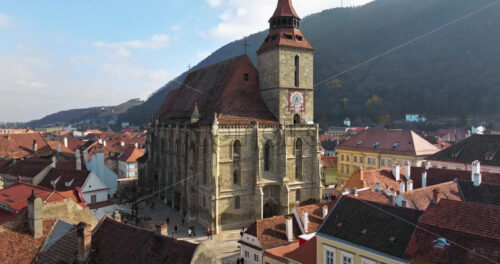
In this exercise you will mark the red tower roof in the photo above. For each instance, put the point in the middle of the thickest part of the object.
(285, 9)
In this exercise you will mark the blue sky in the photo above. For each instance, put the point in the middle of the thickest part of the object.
(65, 54)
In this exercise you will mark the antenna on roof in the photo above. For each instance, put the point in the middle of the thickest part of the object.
(246, 45)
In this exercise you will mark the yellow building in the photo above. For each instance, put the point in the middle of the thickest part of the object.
(368, 234)
(379, 148)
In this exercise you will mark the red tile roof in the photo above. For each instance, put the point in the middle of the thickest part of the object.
(271, 232)
(315, 214)
(305, 254)
(329, 162)
(285, 9)
(16, 196)
(221, 89)
(285, 37)
(279, 253)
(53, 145)
(393, 141)
(115, 242)
(17, 146)
(131, 154)
(18, 246)
(471, 229)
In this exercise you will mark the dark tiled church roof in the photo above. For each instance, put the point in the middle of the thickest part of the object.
(485, 148)
(229, 88)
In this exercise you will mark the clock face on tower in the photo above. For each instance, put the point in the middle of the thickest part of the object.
(296, 101)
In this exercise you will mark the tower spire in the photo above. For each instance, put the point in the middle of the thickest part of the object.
(284, 16)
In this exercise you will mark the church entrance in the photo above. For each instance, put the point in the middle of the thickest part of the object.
(271, 208)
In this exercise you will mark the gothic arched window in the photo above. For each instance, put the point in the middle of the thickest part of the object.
(237, 162)
(298, 159)
(297, 69)
(267, 157)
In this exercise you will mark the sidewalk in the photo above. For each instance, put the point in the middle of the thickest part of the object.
(223, 245)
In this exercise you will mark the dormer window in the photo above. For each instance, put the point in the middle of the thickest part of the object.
(299, 38)
(376, 144)
(395, 145)
(455, 154)
(68, 184)
(360, 142)
(273, 37)
(289, 37)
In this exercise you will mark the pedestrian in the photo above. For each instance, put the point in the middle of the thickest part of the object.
(242, 261)
(194, 232)
(176, 228)
(242, 228)
(211, 235)
(241, 234)
(208, 232)
(189, 232)
(168, 220)
(238, 261)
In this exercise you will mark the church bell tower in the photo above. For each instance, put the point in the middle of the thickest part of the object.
(285, 64)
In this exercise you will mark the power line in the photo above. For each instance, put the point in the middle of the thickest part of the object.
(407, 43)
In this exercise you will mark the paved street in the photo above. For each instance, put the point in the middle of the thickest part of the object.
(224, 245)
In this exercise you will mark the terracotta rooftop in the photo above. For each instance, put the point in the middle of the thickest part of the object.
(65, 150)
(315, 214)
(18, 246)
(285, 37)
(131, 154)
(279, 253)
(17, 146)
(305, 254)
(384, 232)
(115, 242)
(462, 225)
(329, 162)
(394, 141)
(220, 88)
(271, 232)
(485, 148)
(16, 196)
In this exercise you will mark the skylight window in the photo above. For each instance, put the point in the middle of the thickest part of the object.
(376, 144)
(395, 145)
(455, 154)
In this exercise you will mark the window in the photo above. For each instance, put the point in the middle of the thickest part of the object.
(256, 257)
(382, 162)
(245, 77)
(346, 258)
(237, 162)
(299, 38)
(360, 159)
(367, 261)
(297, 69)
(298, 159)
(348, 158)
(237, 202)
(247, 254)
(342, 168)
(267, 157)
(348, 169)
(205, 153)
(342, 157)
(296, 119)
(297, 195)
(93, 198)
(288, 36)
(355, 158)
(329, 255)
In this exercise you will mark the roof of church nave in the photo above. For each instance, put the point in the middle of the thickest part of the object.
(229, 88)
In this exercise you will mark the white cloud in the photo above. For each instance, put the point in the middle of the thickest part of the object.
(214, 3)
(240, 18)
(5, 21)
(176, 27)
(123, 49)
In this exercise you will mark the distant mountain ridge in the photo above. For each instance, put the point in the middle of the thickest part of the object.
(96, 115)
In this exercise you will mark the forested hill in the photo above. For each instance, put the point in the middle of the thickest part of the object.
(452, 72)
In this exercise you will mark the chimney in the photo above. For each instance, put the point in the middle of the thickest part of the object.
(436, 195)
(35, 215)
(355, 191)
(58, 148)
(104, 143)
(476, 173)
(117, 216)
(1, 183)
(325, 211)
(409, 185)
(122, 143)
(84, 233)
(79, 164)
(392, 198)
(424, 179)
(86, 156)
(161, 229)
(136, 145)
(396, 171)
(66, 141)
(402, 186)
(427, 165)
(378, 187)
(407, 169)
(305, 220)
(54, 161)
(35, 146)
(100, 141)
(289, 228)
